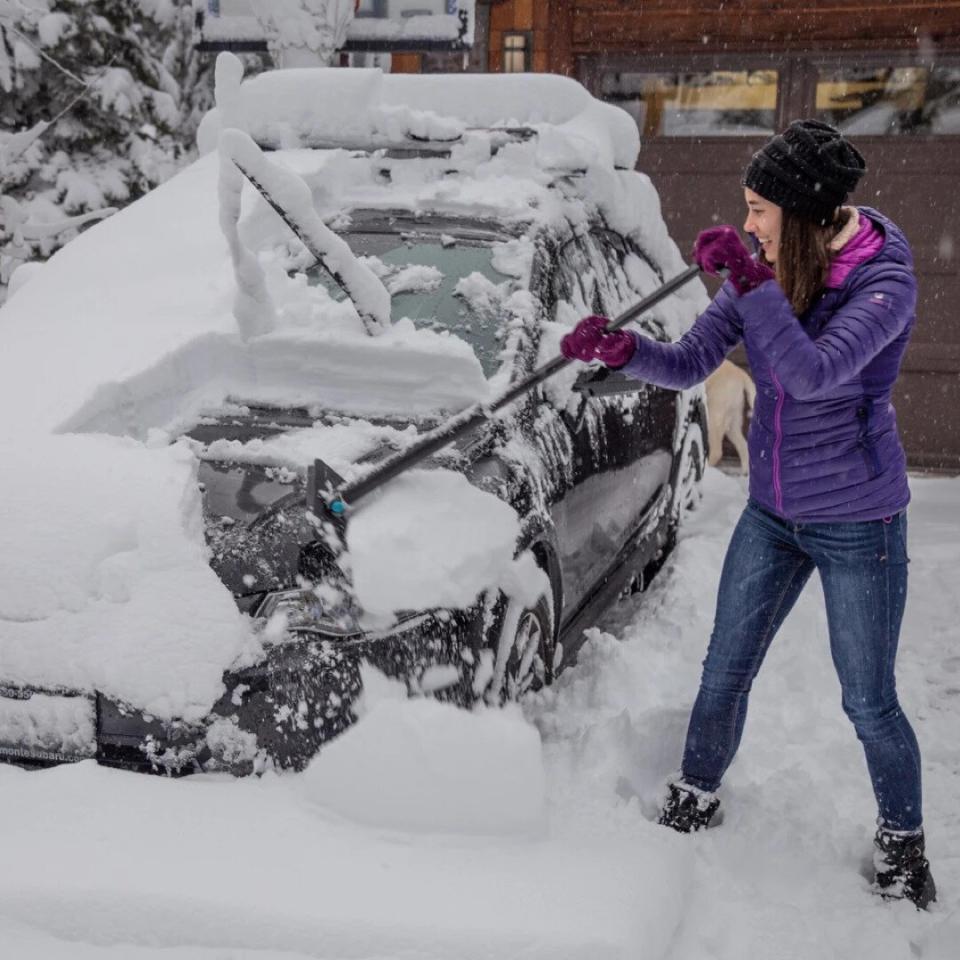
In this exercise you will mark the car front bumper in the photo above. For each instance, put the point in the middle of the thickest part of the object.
(277, 712)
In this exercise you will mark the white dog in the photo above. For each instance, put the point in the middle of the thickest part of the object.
(728, 389)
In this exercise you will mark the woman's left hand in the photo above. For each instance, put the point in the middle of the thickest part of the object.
(721, 249)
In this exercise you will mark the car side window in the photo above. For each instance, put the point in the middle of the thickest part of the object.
(608, 251)
(631, 276)
(576, 284)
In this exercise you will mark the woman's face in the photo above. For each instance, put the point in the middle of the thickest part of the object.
(763, 221)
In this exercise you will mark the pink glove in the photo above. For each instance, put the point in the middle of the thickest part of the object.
(581, 343)
(720, 248)
(616, 349)
(589, 340)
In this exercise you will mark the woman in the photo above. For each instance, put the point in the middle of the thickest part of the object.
(825, 310)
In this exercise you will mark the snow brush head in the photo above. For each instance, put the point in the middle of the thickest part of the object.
(323, 497)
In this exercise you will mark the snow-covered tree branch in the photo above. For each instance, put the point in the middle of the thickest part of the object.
(99, 103)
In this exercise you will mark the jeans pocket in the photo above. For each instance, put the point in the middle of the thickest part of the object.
(895, 539)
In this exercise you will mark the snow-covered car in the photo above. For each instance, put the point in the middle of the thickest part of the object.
(399, 251)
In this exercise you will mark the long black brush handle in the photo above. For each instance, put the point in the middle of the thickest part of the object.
(473, 417)
(558, 363)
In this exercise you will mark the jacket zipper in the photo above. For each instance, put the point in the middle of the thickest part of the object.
(777, 441)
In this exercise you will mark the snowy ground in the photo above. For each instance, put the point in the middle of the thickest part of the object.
(380, 852)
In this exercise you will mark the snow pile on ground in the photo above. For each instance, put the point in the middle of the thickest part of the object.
(425, 766)
(259, 869)
(787, 873)
(106, 583)
(255, 870)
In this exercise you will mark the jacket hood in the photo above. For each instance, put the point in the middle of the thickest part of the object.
(895, 249)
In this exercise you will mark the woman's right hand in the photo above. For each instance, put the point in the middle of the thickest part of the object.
(590, 340)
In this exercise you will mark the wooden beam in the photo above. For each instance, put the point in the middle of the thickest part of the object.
(502, 16)
(613, 25)
(560, 57)
(523, 14)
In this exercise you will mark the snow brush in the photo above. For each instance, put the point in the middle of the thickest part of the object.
(328, 494)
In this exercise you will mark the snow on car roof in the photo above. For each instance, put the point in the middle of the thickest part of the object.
(302, 107)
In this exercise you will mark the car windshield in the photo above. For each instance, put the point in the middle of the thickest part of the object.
(442, 281)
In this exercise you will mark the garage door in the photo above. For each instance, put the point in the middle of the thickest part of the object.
(702, 117)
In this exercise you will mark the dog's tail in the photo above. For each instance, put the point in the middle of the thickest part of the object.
(750, 389)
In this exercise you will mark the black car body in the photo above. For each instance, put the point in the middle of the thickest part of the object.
(598, 469)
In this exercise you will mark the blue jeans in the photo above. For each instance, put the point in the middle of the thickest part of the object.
(863, 569)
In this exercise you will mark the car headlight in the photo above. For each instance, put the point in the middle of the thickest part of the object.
(316, 609)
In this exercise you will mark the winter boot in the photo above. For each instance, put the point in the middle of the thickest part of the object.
(687, 808)
(903, 872)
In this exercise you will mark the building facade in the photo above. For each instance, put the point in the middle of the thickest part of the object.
(708, 83)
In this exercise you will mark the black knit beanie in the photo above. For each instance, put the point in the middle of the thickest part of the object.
(809, 169)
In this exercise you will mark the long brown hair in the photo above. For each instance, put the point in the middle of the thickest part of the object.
(803, 257)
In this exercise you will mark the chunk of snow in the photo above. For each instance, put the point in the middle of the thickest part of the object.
(483, 295)
(108, 586)
(405, 371)
(25, 56)
(429, 539)
(414, 278)
(426, 766)
(228, 74)
(65, 726)
(438, 678)
(252, 305)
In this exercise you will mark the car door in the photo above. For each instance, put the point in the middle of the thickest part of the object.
(642, 422)
(619, 446)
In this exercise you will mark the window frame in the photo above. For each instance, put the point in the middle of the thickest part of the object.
(592, 69)
(698, 104)
(877, 59)
(526, 50)
(797, 70)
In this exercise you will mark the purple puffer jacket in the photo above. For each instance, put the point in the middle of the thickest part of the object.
(823, 439)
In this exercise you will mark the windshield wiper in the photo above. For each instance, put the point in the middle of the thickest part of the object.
(271, 181)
